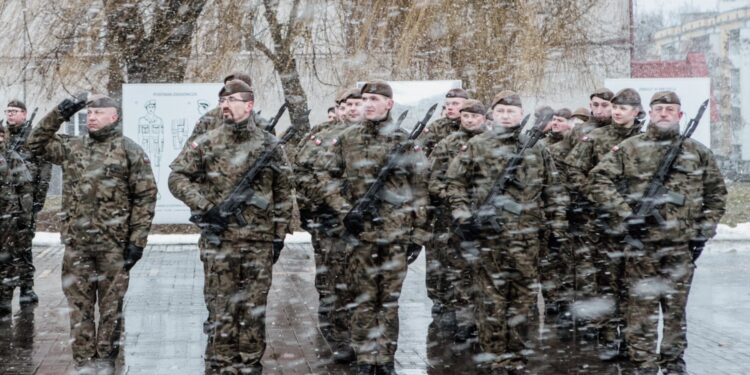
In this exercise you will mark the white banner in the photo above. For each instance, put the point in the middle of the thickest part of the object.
(160, 118)
(692, 92)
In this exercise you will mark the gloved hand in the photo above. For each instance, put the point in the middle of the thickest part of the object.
(133, 254)
(354, 223)
(36, 207)
(69, 107)
(636, 226)
(467, 230)
(278, 244)
(213, 216)
(696, 246)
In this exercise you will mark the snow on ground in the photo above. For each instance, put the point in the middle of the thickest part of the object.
(724, 233)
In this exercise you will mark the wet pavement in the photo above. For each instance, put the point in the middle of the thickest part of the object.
(164, 313)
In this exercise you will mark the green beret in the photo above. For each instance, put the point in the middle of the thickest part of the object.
(506, 97)
(582, 114)
(102, 101)
(602, 93)
(564, 113)
(473, 106)
(378, 87)
(665, 97)
(17, 104)
(241, 76)
(235, 86)
(627, 97)
(457, 93)
(350, 94)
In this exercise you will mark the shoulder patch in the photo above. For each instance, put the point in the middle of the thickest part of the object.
(318, 142)
(426, 130)
(585, 138)
(193, 145)
(146, 159)
(464, 147)
(615, 148)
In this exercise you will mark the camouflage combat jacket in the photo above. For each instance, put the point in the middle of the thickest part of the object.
(109, 192)
(353, 164)
(536, 203)
(16, 193)
(204, 174)
(697, 194)
(213, 119)
(40, 170)
(436, 131)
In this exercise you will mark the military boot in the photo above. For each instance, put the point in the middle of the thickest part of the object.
(386, 369)
(343, 353)
(365, 369)
(28, 297)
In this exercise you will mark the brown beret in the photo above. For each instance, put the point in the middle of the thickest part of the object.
(602, 93)
(457, 93)
(582, 113)
(665, 97)
(506, 97)
(350, 94)
(331, 109)
(627, 97)
(17, 104)
(102, 101)
(473, 106)
(564, 113)
(241, 76)
(378, 87)
(234, 86)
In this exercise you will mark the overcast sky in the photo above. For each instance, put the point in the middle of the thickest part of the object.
(674, 6)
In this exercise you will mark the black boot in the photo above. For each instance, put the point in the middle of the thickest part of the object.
(365, 369)
(343, 353)
(386, 369)
(28, 297)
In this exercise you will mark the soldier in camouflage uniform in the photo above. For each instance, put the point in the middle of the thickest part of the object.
(660, 274)
(607, 256)
(109, 196)
(377, 264)
(435, 132)
(240, 265)
(40, 175)
(332, 114)
(15, 202)
(507, 272)
(579, 116)
(209, 121)
(455, 268)
(321, 221)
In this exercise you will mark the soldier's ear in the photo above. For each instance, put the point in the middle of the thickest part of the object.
(390, 103)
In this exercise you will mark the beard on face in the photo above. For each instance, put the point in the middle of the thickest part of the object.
(602, 120)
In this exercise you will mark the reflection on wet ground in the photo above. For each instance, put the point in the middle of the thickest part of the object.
(164, 312)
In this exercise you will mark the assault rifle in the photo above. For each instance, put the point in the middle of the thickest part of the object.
(367, 205)
(486, 216)
(23, 134)
(275, 119)
(216, 220)
(656, 193)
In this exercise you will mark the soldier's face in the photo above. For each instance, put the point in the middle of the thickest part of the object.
(453, 107)
(600, 108)
(98, 118)
(332, 115)
(234, 108)
(341, 110)
(623, 114)
(665, 115)
(354, 110)
(15, 116)
(472, 121)
(559, 125)
(376, 106)
(507, 115)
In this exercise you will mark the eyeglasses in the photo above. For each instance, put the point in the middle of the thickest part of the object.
(12, 111)
(231, 100)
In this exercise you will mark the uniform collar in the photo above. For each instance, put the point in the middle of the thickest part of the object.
(659, 134)
(107, 132)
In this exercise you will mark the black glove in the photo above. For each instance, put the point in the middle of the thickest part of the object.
(68, 108)
(636, 226)
(696, 246)
(278, 244)
(36, 207)
(133, 254)
(412, 253)
(213, 216)
(354, 223)
(467, 230)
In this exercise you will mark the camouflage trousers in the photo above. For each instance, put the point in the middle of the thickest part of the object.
(612, 291)
(506, 300)
(93, 275)
(658, 277)
(333, 285)
(449, 278)
(377, 273)
(240, 278)
(16, 266)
